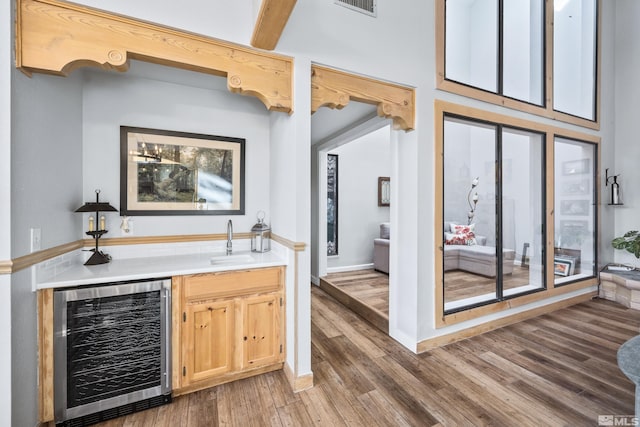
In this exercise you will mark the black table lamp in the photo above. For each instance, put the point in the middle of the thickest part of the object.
(97, 227)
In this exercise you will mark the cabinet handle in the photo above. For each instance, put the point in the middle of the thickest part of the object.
(245, 338)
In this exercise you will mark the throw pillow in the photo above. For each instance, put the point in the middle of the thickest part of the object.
(461, 235)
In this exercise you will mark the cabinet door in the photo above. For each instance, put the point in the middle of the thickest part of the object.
(261, 325)
(208, 340)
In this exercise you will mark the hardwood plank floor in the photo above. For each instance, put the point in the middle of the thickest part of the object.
(559, 369)
(459, 284)
(366, 292)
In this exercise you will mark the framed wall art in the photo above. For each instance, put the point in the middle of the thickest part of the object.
(177, 173)
(384, 191)
(332, 204)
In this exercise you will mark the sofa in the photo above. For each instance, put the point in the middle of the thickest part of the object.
(475, 257)
(381, 249)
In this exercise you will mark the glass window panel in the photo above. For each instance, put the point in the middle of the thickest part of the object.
(522, 211)
(471, 38)
(469, 175)
(523, 53)
(575, 210)
(574, 57)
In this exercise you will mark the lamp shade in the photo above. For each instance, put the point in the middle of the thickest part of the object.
(96, 206)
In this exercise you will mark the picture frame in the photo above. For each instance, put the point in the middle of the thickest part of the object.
(580, 207)
(164, 172)
(563, 266)
(332, 204)
(576, 167)
(384, 191)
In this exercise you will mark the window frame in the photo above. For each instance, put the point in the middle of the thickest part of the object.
(547, 109)
(443, 109)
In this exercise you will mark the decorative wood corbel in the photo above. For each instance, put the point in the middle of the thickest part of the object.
(57, 37)
(334, 88)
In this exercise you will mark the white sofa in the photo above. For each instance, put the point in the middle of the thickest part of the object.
(478, 259)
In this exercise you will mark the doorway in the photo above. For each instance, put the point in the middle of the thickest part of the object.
(349, 216)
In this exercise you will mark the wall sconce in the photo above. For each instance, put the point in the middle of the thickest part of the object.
(473, 201)
(615, 187)
(96, 231)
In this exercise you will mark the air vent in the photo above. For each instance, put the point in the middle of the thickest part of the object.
(365, 6)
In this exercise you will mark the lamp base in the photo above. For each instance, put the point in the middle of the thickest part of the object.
(98, 258)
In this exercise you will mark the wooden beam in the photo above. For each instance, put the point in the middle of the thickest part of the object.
(270, 23)
(334, 89)
(57, 37)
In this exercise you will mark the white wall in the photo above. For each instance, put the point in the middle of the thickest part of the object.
(158, 97)
(627, 108)
(222, 19)
(360, 163)
(290, 197)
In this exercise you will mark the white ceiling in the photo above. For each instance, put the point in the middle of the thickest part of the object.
(327, 123)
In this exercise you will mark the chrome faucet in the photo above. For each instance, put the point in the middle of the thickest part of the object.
(229, 237)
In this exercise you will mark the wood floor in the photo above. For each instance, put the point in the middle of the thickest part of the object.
(460, 284)
(366, 292)
(559, 369)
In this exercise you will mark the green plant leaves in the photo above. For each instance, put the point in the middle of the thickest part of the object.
(630, 242)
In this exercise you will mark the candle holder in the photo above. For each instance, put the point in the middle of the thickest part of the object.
(99, 222)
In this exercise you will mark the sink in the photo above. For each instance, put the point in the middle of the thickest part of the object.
(232, 259)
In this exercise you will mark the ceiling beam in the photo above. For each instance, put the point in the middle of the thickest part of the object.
(270, 23)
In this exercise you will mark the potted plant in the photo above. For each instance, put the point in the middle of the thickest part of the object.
(629, 242)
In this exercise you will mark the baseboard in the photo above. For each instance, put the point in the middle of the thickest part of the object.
(442, 340)
(301, 383)
(350, 268)
(315, 280)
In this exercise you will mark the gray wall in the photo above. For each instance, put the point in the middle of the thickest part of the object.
(158, 97)
(46, 186)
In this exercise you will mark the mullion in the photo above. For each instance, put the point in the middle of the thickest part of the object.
(500, 56)
(498, 232)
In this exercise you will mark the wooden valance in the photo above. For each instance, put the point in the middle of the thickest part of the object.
(334, 88)
(57, 37)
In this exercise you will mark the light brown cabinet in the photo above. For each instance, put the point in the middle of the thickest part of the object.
(230, 326)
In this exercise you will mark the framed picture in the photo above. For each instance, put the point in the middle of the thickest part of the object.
(176, 173)
(562, 266)
(332, 204)
(576, 167)
(384, 191)
(575, 207)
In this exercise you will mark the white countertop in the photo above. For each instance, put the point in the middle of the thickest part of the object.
(159, 267)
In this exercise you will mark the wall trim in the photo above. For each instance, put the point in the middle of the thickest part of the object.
(445, 339)
(300, 383)
(350, 268)
(6, 267)
(26, 261)
(34, 258)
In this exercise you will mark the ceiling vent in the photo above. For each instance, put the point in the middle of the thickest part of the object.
(367, 7)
